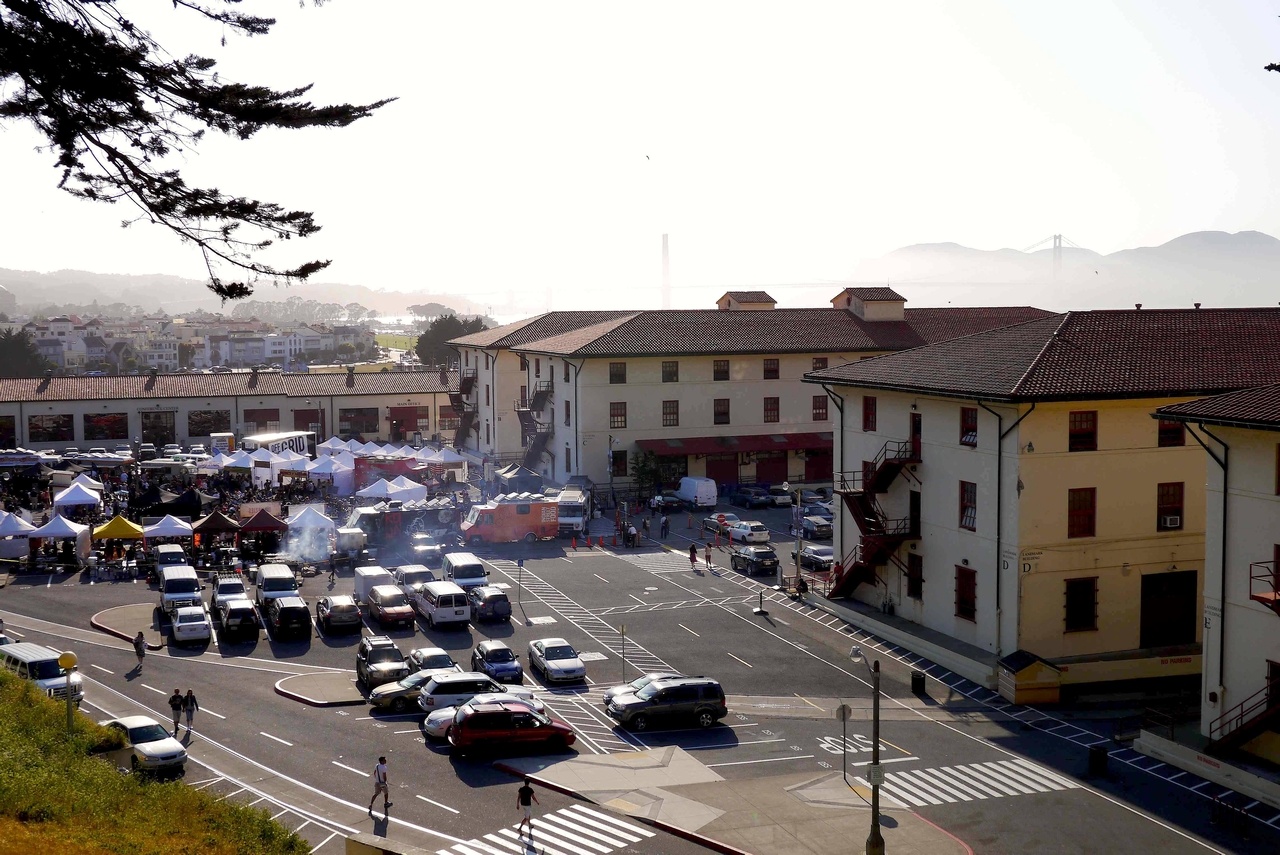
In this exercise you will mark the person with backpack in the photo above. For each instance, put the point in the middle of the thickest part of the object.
(380, 786)
(175, 706)
(140, 648)
(189, 706)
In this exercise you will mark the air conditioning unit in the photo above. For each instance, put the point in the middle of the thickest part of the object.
(1171, 522)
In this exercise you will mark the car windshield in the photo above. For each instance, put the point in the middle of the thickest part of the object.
(398, 599)
(648, 691)
(502, 654)
(379, 655)
(231, 588)
(758, 527)
(560, 651)
(438, 660)
(144, 733)
(193, 617)
(46, 669)
(766, 555)
(492, 599)
(282, 583)
(343, 609)
(182, 586)
(821, 552)
(414, 680)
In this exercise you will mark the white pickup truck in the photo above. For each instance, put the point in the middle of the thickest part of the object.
(225, 587)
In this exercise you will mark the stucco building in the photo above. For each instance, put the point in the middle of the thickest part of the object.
(1011, 490)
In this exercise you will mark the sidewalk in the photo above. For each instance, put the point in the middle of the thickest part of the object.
(802, 814)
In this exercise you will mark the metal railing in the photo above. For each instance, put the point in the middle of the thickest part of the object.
(1243, 712)
(1264, 582)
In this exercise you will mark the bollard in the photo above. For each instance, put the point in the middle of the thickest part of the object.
(917, 683)
(690, 524)
(575, 543)
(615, 541)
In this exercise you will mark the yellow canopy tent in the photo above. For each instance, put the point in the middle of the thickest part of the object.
(118, 528)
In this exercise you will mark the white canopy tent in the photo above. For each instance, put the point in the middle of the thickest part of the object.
(354, 445)
(239, 460)
(310, 517)
(380, 489)
(346, 458)
(84, 480)
(169, 526)
(15, 526)
(330, 446)
(61, 528)
(342, 476)
(213, 464)
(310, 534)
(76, 495)
(410, 491)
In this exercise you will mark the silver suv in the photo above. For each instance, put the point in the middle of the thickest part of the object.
(379, 661)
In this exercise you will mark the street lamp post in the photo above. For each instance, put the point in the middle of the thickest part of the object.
(68, 661)
(875, 842)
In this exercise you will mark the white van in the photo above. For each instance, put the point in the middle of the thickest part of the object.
(179, 586)
(411, 576)
(369, 577)
(698, 492)
(465, 570)
(39, 664)
(273, 581)
(442, 603)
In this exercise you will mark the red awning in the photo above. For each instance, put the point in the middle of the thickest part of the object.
(725, 444)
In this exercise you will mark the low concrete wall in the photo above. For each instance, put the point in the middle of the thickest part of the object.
(361, 843)
(982, 673)
(1209, 768)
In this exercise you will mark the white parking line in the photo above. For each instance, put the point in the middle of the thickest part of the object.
(637, 599)
(100, 668)
(601, 578)
(728, 744)
(437, 804)
(686, 629)
(743, 661)
(765, 760)
(276, 738)
(323, 842)
(350, 768)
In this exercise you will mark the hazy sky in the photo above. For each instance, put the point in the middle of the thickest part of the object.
(539, 150)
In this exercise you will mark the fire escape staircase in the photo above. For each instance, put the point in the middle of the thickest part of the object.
(542, 392)
(1247, 719)
(881, 536)
(1264, 584)
(467, 382)
(534, 434)
(466, 421)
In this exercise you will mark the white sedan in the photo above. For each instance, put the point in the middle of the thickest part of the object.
(191, 625)
(147, 745)
(556, 660)
(438, 721)
(748, 531)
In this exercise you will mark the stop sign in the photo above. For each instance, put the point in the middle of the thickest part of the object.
(720, 518)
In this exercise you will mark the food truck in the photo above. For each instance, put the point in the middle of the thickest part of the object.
(515, 516)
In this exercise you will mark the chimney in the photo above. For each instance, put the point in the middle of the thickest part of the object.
(1197, 305)
(1138, 306)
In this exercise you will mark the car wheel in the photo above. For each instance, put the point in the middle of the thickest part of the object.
(399, 705)
(530, 538)
(133, 763)
(706, 719)
(431, 621)
(640, 723)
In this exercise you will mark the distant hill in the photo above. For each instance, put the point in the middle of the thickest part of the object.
(175, 295)
(1213, 268)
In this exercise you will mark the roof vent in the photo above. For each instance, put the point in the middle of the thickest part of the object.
(153, 372)
(48, 374)
(1138, 306)
(1197, 305)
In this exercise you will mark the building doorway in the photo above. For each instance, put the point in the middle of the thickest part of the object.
(771, 467)
(723, 468)
(1168, 608)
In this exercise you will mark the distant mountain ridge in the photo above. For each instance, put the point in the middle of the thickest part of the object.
(175, 294)
(1211, 267)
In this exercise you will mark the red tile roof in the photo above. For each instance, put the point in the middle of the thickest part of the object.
(1256, 408)
(750, 296)
(1082, 355)
(219, 386)
(539, 327)
(702, 332)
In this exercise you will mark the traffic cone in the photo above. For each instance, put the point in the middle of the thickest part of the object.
(615, 541)
(575, 543)
(600, 541)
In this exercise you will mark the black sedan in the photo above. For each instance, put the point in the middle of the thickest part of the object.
(751, 497)
(815, 557)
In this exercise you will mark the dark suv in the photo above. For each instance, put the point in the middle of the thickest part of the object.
(752, 558)
(489, 602)
(379, 661)
(288, 617)
(698, 698)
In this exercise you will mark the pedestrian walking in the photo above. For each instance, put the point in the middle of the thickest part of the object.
(189, 706)
(175, 706)
(140, 648)
(707, 556)
(693, 556)
(653, 507)
(644, 524)
(631, 535)
(526, 798)
(664, 526)
(380, 786)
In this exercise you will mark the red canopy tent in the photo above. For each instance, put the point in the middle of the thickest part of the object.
(263, 521)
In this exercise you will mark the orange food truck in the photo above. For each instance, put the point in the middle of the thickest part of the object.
(516, 516)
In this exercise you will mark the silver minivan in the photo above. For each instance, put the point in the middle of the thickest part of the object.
(39, 664)
(441, 603)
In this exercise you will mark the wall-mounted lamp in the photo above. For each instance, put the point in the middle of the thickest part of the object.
(964, 561)
(1030, 448)
(1173, 567)
(913, 407)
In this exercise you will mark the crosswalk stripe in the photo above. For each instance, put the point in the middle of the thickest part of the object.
(1034, 774)
(464, 849)
(541, 833)
(1047, 773)
(980, 779)
(617, 832)
(611, 820)
(932, 778)
(902, 797)
(481, 847)
(1010, 779)
(505, 844)
(933, 795)
(959, 784)
(576, 823)
(578, 835)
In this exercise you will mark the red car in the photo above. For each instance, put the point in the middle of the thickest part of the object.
(478, 727)
(389, 605)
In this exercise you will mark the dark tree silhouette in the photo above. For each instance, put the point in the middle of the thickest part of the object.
(19, 356)
(114, 105)
(431, 348)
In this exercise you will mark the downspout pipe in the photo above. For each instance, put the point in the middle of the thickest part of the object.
(1001, 434)
(1225, 464)
(577, 448)
(839, 403)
